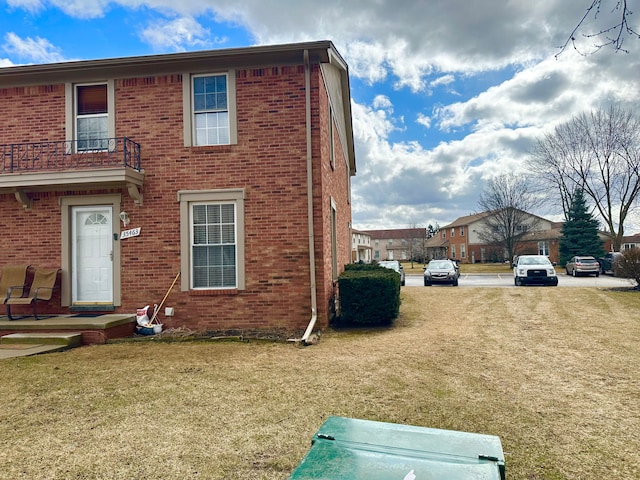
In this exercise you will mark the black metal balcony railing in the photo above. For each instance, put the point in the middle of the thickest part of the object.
(70, 154)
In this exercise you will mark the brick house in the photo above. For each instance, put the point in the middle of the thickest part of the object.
(461, 240)
(232, 167)
(397, 244)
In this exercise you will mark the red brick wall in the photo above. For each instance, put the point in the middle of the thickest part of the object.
(32, 114)
(269, 162)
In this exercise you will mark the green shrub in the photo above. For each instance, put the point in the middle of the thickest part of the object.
(369, 295)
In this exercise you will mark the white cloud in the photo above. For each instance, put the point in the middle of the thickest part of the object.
(178, 34)
(423, 60)
(29, 5)
(38, 50)
(422, 119)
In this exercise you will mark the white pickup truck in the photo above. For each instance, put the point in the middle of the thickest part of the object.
(534, 269)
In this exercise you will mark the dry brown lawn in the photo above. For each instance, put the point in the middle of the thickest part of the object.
(554, 372)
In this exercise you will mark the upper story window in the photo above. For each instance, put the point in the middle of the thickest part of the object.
(444, 234)
(211, 110)
(92, 117)
(453, 232)
(462, 231)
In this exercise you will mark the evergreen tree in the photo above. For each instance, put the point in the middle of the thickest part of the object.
(579, 232)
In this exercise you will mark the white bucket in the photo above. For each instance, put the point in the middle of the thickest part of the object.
(157, 328)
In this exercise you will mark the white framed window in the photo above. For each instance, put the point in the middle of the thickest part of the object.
(453, 232)
(543, 248)
(209, 108)
(462, 231)
(212, 239)
(89, 117)
(213, 245)
(92, 117)
(463, 251)
(453, 251)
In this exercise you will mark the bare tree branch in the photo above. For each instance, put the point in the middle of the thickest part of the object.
(613, 35)
(598, 153)
(508, 199)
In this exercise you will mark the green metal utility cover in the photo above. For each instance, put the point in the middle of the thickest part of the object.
(349, 448)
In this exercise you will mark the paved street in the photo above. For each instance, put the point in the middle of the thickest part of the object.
(506, 280)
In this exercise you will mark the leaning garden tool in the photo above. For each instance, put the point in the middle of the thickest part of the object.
(155, 314)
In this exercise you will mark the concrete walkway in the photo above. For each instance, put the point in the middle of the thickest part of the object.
(24, 350)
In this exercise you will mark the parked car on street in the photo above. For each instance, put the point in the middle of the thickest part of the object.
(394, 265)
(608, 262)
(441, 271)
(582, 265)
(534, 269)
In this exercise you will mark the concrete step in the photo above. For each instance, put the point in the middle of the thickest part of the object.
(62, 340)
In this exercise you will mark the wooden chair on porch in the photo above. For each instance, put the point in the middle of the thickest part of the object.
(41, 290)
(12, 276)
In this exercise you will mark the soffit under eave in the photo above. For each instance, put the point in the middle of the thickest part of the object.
(336, 81)
(165, 64)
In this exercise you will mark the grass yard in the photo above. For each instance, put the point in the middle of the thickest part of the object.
(552, 371)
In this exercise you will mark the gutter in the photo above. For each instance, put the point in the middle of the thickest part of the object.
(312, 256)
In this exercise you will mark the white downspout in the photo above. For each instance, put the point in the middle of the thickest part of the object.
(312, 255)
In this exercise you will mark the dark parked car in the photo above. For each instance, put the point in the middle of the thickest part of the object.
(608, 262)
(441, 271)
(582, 265)
(394, 265)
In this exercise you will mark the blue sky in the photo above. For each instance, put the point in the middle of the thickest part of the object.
(445, 95)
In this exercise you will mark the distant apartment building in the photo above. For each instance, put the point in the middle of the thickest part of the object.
(463, 240)
(629, 242)
(397, 244)
(360, 246)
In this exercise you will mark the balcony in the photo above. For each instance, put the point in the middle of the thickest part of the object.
(71, 165)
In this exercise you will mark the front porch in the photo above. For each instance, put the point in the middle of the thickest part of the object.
(93, 328)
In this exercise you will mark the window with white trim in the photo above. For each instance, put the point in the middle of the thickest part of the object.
(92, 117)
(453, 251)
(213, 245)
(212, 239)
(543, 248)
(463, 251)
(211, 110)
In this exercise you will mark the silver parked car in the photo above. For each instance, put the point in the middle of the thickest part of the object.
(582, 265)
(394, 265)
(441, 271)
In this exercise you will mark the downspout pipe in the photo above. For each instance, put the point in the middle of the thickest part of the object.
(312, 255)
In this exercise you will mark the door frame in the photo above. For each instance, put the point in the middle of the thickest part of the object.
(67, 204)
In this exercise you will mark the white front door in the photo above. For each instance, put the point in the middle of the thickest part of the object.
(92, 255)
